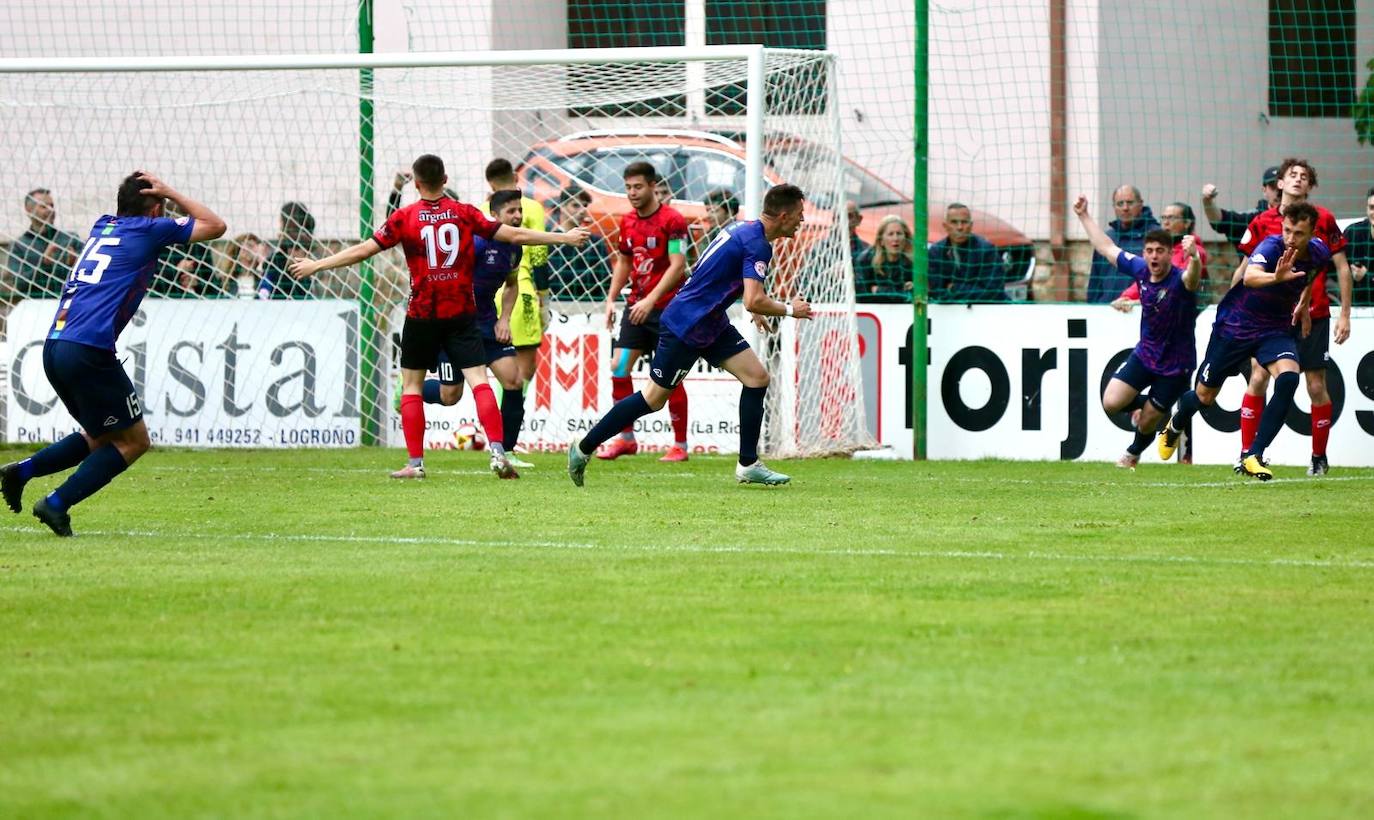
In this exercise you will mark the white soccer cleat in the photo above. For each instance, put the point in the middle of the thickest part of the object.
(758, 473)
(518, 463)
(410, 471)
(577, 463)
(501, 466)
(1128, 461)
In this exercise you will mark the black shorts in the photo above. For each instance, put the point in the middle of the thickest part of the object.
(642, 336)
(1314, 349)
(674, 358)
(1164, 390)
(422, 340)
(1227, 357)
(491, 351)
(92, 386)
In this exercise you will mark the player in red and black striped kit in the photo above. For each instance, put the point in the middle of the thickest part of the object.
(652, 259)
(1296, 179)
(437, 234)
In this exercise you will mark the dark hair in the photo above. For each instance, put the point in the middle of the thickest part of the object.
(1187, 213)
(500, 199)
(782, 198)
(641, 169)
(1290, 162)
(33, 193)
(577, 193)
(725, 198)
(428, 170)
(297, 215)
(1369, 193)
(1159, 236)
(131, 200)
(500, 170)
(1301, 212)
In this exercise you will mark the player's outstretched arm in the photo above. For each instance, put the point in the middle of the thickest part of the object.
(301, 268)
(208, 224)
(577, 237)
(1192, 275)
(1257, 277)
(757, 301)
(1101, 242)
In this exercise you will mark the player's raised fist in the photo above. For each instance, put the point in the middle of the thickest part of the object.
(1189, 244)
(300, 268)
(801, 309)
(402, 177)
(1209, 192)
(1080, 205)
(577, 237)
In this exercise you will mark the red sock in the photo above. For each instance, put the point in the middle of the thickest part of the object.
(677, 411)
(1321, 428)
(621, 388)
(1251, 408)
(413, 424)
(488, 412)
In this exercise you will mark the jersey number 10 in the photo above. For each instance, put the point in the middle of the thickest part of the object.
(443, 237)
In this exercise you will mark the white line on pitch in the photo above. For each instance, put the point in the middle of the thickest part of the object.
(707, 549)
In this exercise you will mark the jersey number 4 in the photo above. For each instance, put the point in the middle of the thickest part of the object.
(91, 255)
(443, 237)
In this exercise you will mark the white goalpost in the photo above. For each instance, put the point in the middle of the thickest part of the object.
(265, 139)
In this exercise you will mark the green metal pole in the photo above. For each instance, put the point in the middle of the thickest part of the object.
(920, 288)
(368, 336)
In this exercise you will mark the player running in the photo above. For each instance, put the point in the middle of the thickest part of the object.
(695, 326)
(1255, 320)
(651, 257)
(1167, 352)
(497, 265)
(102, 293)
(1296, 179)
(437, 234)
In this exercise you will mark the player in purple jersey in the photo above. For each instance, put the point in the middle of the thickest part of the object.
(495, 264)
(102, 293)
(695, 327)
(1255, 319)
(1166, 353)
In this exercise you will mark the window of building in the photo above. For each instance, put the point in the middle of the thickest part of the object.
(1311, 58)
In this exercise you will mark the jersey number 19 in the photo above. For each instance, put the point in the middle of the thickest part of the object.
(442, 237)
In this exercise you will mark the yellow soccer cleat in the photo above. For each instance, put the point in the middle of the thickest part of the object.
(1167, 442)
(1253, 467)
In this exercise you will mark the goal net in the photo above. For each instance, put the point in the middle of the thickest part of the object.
(301, 155)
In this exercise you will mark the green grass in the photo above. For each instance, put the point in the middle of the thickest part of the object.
(292, 634)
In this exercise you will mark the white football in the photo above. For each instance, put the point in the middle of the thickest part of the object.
(468, 437)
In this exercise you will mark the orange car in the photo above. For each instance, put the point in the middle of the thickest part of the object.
(695, 162)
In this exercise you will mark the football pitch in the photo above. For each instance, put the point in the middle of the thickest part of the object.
(293, 634)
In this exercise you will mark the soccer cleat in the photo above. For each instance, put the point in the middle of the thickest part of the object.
(518, 463)
(1255, 467)
(410, 471)
(1128, 460)
(57, 520)
(577, 463)
(617, 447)
(758, 473)
(1167, 442)
(12, 486)
(502, 467)
(1239, 469)
(1319, 467)
(674, 454)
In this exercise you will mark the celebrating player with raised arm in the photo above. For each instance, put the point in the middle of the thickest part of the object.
(651, 258)
(695, 326)
(103, 291)
(1255, 320)
(437, 234)
(1166, 353)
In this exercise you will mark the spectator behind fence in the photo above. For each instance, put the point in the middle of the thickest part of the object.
(662, 192)
(857, 247)
(965, 267)
(42, 255)
(183, 271)
(297, 239)
(577, 274)
(1127, 231)
(1232, 224)
(722, 210)
(1177, 218)
(238, 270)
(1360, 251)
(884, 272)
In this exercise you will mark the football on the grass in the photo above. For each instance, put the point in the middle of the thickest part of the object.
(468, 437)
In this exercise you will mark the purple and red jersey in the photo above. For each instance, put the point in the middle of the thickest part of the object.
(1270, 223)
(1168, 312)
(1250, 314)
(111, 276)
(740, 251)
(645, 240)
(437, 236)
